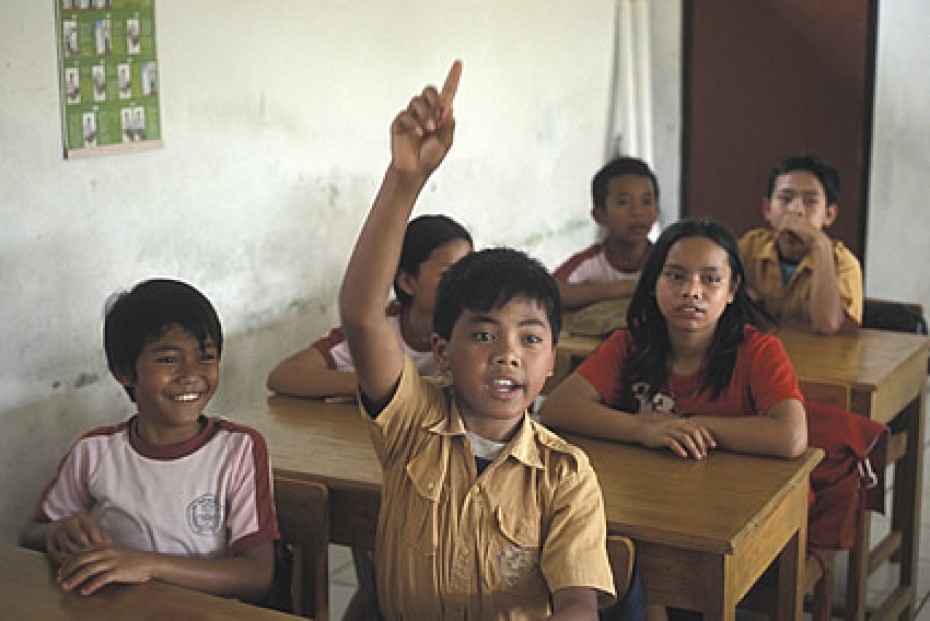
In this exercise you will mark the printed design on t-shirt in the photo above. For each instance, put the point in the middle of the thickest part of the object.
(659, 402)
(516, 563)
(205, 515)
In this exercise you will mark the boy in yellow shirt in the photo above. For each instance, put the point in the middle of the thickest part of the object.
(802, 277)
(485, 514)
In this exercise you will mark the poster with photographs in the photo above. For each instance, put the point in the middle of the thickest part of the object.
(108, 69)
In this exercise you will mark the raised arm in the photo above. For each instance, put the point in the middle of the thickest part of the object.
(421, 135)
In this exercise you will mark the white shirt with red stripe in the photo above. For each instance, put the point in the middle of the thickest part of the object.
(591, 265)
(207, 496)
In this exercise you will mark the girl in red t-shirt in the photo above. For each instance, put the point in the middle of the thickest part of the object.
(691, 373)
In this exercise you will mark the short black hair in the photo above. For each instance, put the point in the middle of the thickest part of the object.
(135, 317)
(825, 172)
(618, 167)
(423, 235)
(490, 279)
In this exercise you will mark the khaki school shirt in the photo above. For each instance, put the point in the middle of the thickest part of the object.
(452, 545)
(790, 303)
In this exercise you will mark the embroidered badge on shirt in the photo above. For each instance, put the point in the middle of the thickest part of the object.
(204, 515)
(515, 563)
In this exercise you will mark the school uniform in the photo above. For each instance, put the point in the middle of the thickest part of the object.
(208, 496)
(789, 302)
(455, 545)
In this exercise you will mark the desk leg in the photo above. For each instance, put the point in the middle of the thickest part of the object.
(904, 539)
(790, 568)
(906, 508)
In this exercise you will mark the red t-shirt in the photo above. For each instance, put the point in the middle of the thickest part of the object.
(762, 377)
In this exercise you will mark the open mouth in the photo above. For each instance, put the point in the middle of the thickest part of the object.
(505, 387)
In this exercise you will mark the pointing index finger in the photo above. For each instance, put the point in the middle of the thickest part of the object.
(451, 85)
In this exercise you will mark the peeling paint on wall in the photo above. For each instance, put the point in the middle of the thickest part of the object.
(569, 227)
(86, 379)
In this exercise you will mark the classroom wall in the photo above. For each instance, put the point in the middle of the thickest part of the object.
(897, 248)
(275, 121)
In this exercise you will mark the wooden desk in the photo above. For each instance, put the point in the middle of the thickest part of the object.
(28, 591)
(704, 531)
(327, 443)
(886, 374)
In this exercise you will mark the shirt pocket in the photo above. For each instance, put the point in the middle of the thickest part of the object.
(511, 565)
(420, 530)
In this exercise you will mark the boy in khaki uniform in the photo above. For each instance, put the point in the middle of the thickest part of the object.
(801, 276)
(485, 514)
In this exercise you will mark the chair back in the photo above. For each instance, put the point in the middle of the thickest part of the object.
(893, 315)
(303, 520)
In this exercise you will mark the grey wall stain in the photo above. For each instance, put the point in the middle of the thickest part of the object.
(86, 379)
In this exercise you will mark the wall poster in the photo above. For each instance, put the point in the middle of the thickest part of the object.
(109, 76)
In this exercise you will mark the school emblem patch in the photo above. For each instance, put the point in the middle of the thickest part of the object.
(516, 563)
(205, 515)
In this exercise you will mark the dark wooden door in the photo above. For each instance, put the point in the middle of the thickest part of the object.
(766, 79)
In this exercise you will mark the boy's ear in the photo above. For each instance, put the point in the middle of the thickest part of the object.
(767, 210)
(830, 214)
(405, 281)
(599, 214)
(440, 347)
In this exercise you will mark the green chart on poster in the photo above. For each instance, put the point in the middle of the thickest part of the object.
(108, 68)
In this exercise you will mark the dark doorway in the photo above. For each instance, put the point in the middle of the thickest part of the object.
(771, 78)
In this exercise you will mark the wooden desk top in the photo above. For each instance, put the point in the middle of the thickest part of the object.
(883, 370)
(328, 440)
(711, 505)
(28, 591)
(646, 492)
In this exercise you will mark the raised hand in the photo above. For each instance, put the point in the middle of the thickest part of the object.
(421, 135)
(73, 534)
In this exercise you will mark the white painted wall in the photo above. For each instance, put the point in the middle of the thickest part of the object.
(898, 242)
(275, 120)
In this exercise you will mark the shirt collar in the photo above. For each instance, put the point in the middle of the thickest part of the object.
(521, 447)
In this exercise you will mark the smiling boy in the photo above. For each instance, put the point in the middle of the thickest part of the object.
(170, 494)
(484, 513)
(802, 277)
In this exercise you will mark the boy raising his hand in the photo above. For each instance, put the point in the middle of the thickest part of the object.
(484, 513)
